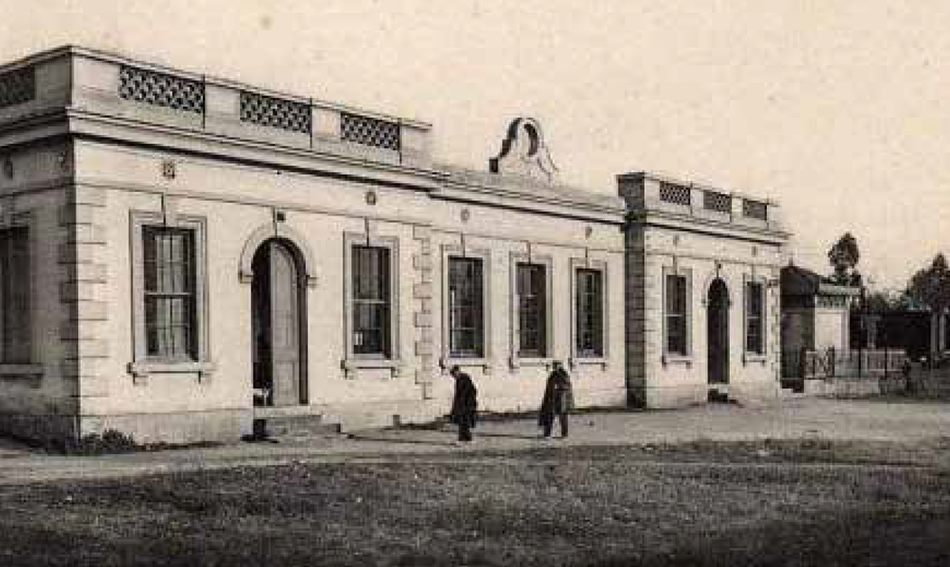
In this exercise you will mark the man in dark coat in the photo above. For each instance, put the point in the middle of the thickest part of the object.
(464, 404)
(558, 400)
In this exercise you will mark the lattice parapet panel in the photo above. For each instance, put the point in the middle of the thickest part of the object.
(370, 131)
(17, 87)
(673, 193)
(161, 89)
(275, 112)
(719, 202)
(755, 209)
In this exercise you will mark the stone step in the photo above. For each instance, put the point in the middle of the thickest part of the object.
(294, 426)
(791, 394)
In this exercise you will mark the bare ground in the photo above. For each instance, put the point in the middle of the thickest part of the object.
(704, 502)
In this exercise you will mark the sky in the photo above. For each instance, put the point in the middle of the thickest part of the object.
(837, 109)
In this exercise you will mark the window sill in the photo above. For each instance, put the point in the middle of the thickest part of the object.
(448, 362)
(142, 369)
(518, 362)
(576, 361)
(24, 370)
(678, 359)
(754, 357)
(351, 365)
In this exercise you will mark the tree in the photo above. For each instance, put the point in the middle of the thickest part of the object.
(930, 287)
(844, 256)
(881, 302)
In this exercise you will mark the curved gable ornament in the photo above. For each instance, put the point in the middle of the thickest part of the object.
(523, 152)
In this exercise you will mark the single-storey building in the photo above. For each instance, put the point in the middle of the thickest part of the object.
(185, 258)
(182, 255)
(815, 311)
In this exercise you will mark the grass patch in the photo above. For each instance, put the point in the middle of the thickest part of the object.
(570, 506)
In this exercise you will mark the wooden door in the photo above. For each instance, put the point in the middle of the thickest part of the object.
(284, 326)
(717, 328)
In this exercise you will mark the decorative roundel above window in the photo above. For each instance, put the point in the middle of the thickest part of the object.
(466, 214)
(371, 197)
(169, 169)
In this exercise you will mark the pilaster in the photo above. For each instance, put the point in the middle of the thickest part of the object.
(423, 319)
(82, 290)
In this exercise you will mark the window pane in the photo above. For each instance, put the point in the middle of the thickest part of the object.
(589, 313)
(532, 305)
(755, 338)
(465, 307)
(169, 281)
(676, 302)
(15, 297)
(370, 281)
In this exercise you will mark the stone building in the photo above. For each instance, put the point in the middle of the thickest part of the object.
(182, 255)
(815, 312)
(702, 297)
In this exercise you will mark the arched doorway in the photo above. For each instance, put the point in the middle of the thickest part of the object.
(278, 307)
(717, 338)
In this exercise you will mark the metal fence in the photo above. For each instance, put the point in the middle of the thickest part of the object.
(830, 363)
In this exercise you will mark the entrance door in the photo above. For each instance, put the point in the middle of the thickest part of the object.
(277, 326)
(717, 329)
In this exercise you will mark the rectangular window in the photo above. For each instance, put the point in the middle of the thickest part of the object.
(371, 301)
(589, 313)
(15, 285)
(532, 315)
(170, 293)
(676, 302)
(755, 307)
(466, 324)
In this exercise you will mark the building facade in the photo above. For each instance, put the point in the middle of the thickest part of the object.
(702, 298)
(815, 312)
(181, 256)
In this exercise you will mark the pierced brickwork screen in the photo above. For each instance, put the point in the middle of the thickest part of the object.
(17, 87)
(370, 131)
(672, 193)
(275, 112)
(160, 89)
(719, 202)
(755, 209)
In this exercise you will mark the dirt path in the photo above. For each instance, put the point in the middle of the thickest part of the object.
(905, 423)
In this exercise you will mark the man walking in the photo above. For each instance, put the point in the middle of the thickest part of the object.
(464, 404)
(558, 400)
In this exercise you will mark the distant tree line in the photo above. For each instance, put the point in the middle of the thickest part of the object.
(928, 288)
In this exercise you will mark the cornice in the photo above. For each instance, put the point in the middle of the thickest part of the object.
(84, 124)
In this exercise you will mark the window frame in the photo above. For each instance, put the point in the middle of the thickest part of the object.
(352, 361)
(189, 260)
(669, 356)
(749, 355)
(578, 265)
(23, 220)
(448, 358)
(381, 261)
(544, 260)
(143, 364)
